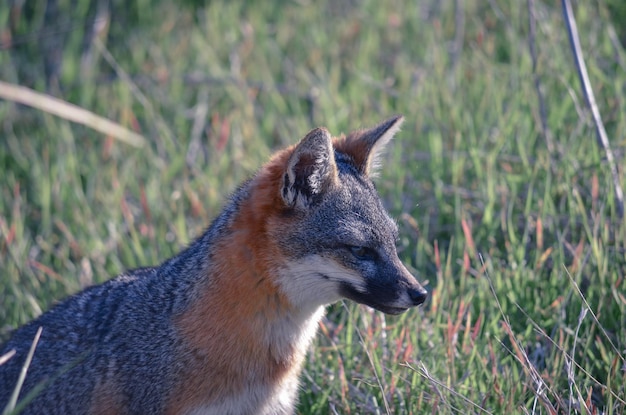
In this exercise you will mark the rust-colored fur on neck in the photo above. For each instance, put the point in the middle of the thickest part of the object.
(241, 301)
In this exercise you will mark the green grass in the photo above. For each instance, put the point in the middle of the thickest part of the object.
(522, 247)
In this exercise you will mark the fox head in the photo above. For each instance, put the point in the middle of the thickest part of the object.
(337, 239)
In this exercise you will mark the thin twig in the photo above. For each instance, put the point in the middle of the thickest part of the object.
(570, 358)
(20, 380)
(459, 34)
(519, 353)
(603, 140)
(595, 318)
(199, 123)
(570, 367)
(70, 112)
(547, 135)
(422, 370)
(617, 47)
(5, 357)
(371, 361)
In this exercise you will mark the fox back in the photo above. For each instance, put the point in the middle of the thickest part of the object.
(223, 327)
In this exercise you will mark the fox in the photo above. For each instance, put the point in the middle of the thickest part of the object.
(224, 326)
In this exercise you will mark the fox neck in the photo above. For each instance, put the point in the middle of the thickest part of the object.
(241, 325)
(244, 283)
(241, 299)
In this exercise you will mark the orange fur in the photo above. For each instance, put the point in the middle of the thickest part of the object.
(359, 150)
(224, 326)
(241, 301)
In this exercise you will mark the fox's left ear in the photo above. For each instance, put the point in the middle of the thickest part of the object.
(366, 146)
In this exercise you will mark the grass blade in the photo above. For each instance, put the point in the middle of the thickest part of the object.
(70, 112)
(20, 381)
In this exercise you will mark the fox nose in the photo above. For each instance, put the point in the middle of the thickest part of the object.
(418, 295)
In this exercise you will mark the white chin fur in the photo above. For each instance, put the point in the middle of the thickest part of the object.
(313, 281)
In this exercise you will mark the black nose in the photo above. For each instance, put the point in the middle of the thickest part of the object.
(418, 295)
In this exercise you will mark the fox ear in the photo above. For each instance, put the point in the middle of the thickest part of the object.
(366, 146)
(311, 170)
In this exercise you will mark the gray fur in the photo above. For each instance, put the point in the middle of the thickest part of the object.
(123, 329)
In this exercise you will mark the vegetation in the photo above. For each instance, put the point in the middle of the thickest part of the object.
(512, 221)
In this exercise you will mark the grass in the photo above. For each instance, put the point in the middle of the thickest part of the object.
(521, 243)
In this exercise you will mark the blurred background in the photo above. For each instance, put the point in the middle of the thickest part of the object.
(505, 201)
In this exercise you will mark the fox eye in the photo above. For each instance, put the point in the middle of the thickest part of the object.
(363, 253)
